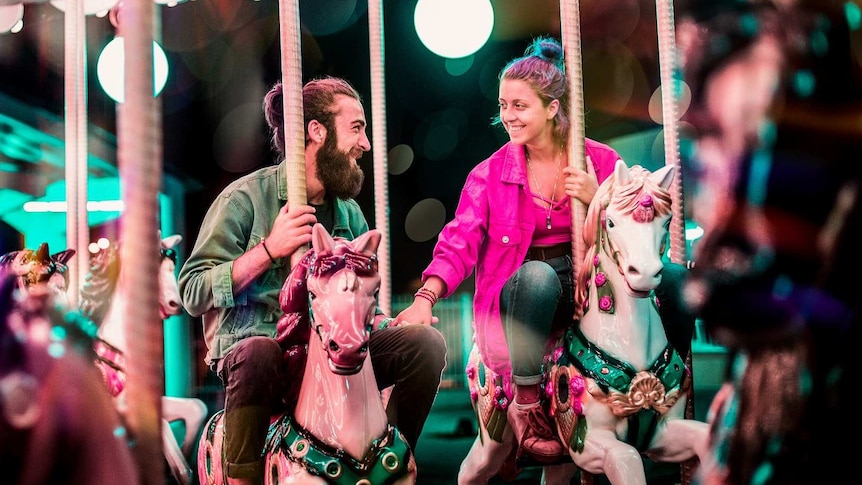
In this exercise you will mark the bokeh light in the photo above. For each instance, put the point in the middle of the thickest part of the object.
(425, 220)
(453, 28)
(111, 69)
(400, 159)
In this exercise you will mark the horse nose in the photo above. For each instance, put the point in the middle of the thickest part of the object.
(644, 277)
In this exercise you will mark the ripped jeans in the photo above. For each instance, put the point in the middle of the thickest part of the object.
(537, 302)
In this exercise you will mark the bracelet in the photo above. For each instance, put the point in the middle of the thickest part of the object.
(428, 294)
(263, 243)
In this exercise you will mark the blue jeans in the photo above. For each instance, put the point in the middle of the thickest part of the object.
(536, 302)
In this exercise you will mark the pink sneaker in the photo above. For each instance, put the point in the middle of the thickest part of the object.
(534, 432)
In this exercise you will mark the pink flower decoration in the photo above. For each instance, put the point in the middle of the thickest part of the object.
(558, 352)
(577, 386)
(498, 391)
(605, 303)
(601, 279)
(504, 403)
(596, 261)
(657, 302)
(578, 407)
(471, 371)
(646, 201)
(549, 389)
(474, 394)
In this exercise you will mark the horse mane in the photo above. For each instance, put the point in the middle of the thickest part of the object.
(101, 281)
(625, 198)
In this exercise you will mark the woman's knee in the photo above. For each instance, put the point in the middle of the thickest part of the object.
(537, 279)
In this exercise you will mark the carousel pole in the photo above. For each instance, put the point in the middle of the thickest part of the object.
(570, 26)
(670, 120)
(75, 65)
(139, 159)
(291, 85)
(379, 147)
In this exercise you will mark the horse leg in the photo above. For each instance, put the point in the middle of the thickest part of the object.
(604, 454)
(678, 440)
(180, 468)
(559, 474)
(485, 458)
(191, 411)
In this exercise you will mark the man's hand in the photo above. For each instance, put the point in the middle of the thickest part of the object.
(291, 230)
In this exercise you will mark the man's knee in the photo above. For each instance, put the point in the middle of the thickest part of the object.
(428, 344)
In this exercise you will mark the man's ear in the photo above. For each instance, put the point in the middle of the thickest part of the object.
(316, 131)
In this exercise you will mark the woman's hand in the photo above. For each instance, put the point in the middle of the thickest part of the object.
(418, 313)
(579, 184)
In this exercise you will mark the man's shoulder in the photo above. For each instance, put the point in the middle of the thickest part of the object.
(253, 179)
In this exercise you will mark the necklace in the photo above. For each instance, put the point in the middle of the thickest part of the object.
(539, 189)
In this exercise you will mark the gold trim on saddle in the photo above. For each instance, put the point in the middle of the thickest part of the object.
(627, 389)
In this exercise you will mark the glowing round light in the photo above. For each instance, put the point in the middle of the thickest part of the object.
(453, 28)
(90, 6)
(110, 69)
(10, 16)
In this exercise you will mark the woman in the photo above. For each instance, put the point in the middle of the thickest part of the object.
(513, 225)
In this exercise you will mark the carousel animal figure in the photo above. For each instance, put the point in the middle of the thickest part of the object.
(58, 423)
(40, 266)
(615, 387)
(104, 300)
(334, 430)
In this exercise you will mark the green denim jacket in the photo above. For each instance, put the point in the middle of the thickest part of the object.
(239, 218)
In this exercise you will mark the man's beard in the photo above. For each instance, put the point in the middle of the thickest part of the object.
(339, 176)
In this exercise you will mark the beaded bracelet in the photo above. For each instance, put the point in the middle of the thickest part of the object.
(427, 294)
(263, 243)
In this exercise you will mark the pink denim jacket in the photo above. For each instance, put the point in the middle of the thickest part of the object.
(492, 231)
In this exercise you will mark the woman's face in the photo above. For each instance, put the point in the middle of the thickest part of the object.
(522, 113)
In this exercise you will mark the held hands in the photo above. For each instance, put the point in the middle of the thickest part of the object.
(579, 184)
(291, 230)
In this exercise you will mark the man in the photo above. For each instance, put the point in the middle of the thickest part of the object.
(241, 259)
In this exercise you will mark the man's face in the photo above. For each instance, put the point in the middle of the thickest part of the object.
(337, 166)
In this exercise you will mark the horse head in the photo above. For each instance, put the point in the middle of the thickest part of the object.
(169, 292)
(342, 284)
(626, 228)
(40, 268)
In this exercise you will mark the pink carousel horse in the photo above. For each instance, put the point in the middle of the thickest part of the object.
(615, 386)
(337, 432)
(104, 300)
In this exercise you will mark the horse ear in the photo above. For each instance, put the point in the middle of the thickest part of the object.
(663, 176)
(43, 254)
(171, 241)
(320, 239)
(368, 242)
(63, 256)
(622, 175)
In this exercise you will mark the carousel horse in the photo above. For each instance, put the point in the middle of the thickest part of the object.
(104, 300)
(335, 430)
(58, 423)
(40, 266)
(615, 387)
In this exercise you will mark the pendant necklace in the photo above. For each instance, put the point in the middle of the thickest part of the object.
(539, 190)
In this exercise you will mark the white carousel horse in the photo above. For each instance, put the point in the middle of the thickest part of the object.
(616, 388)
(338, 430)
(40, 266)
(104, 300)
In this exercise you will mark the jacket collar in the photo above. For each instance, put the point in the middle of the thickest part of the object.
(514, 164)
(282, 180)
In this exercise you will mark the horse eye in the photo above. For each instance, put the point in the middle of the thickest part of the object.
(311, 295)
(610, 222)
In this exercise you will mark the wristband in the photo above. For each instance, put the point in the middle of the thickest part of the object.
(427, 294)
(263, 243)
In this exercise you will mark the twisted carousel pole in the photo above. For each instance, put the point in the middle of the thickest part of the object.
(570, 26)
(75, 65)
(670, 120)
(139, 157)
(380, 147)
(290, 37)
